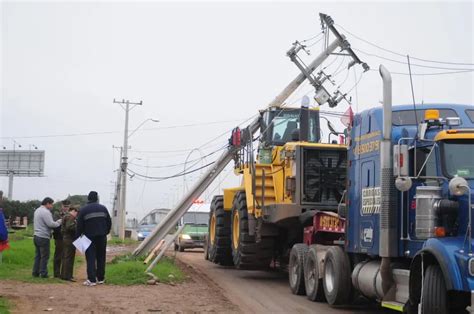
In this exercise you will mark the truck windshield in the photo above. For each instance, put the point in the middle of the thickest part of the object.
(407, 117)
(458, 158)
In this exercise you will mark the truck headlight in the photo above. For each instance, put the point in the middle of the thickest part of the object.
(471, 266)
(186, 237)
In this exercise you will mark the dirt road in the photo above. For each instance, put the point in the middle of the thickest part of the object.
(262, 292)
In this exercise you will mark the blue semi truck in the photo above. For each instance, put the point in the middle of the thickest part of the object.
(407, 241)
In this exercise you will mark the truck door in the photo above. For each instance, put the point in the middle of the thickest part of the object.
(370, 204)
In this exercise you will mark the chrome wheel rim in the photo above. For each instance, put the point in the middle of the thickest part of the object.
(329, 276)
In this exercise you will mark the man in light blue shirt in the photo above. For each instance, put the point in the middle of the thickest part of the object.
(43, 224)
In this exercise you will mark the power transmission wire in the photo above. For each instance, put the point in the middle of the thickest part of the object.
(179, 164)
(335, 72)
(345, 79)
(130, 172)
(309, 46)
(332, 62)
(115, 132)
(428, 74)
(413, 96)
(401, 54)
(356, 92)
(356, 83)
(313, 37)
(413, 64)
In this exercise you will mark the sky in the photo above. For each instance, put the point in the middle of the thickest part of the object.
(200, 68)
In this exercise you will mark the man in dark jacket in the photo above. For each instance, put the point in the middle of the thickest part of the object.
(94, 222)
(58, 239)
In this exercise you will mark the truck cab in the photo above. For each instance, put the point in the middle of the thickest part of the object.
(428, 221)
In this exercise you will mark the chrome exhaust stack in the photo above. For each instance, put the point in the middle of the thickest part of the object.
(388, 215)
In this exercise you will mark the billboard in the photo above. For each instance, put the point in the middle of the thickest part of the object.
(22, 163)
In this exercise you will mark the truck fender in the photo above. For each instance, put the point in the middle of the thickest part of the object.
(433, 255)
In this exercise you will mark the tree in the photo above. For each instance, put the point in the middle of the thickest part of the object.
(20, 209)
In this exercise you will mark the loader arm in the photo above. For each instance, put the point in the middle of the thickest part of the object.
(173, 217)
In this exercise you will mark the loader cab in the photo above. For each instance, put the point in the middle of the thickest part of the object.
(282, 125)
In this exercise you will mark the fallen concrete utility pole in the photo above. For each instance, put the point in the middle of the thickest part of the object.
(171, 220)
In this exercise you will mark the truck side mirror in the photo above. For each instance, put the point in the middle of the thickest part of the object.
(400, 160)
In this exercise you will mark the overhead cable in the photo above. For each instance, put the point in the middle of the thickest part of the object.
(428, 74)
(413, 64)
(401, 54)
(131, 172)
(179, 164)
(115, 132)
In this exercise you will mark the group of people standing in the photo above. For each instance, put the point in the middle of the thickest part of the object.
(92, 220)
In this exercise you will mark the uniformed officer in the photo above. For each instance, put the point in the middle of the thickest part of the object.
(68, 231)
(58, 239)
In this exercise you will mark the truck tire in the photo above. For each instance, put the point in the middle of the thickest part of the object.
(296, 268)
(337, 277)
(313, 284)
(219, 233)
(246, 253)
(434, 300)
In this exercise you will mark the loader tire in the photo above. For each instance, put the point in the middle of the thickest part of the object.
(206, 247)
(313, 283)
(434, 300)
(296, 268)
(246, 253)
(219, 233)
(337, 277)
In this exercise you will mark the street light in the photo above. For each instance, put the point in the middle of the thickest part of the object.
(141, 124)
(15, 143)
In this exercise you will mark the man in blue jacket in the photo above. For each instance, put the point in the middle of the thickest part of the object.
(94, 222)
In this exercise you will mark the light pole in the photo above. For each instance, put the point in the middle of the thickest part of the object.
(124, 165)
(11, 173)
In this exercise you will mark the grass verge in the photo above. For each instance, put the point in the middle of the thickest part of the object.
(4, 306)
(17, 261)
(117, 241)
(129, 270)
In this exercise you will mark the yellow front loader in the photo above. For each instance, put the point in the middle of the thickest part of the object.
(292, 177)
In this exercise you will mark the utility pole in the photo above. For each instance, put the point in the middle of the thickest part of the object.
(123, 168)
(116, 201)
(11, 174)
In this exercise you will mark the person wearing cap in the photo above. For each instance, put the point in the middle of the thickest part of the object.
(94, 222)
(68, 232)
(58, 239)
(43, 223)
